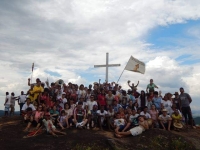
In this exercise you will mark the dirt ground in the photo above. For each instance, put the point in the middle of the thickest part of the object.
(11, 137)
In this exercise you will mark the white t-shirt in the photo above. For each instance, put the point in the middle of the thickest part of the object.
(25, 106)
(12, 100)
(102, 113)
(167, 105)
(133, 117)
(81, 93)
(63, 101)
(22, 98)
(90, 104)
(164, 118)
(147, 115)
(119, 122)
(7, 97)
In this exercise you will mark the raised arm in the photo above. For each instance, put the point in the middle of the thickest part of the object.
(137, 84)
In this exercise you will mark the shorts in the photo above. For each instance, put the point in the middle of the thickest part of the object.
(12, 108)
(53, 128)
(121, 127)
(136, 131)
(7, 107)
(79, 124)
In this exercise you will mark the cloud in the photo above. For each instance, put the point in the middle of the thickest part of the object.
(70, 37)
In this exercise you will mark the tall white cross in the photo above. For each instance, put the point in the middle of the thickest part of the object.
(107, 65)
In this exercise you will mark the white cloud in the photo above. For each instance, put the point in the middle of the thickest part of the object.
(69, 37)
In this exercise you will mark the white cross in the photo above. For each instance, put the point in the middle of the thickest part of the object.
(107, 65)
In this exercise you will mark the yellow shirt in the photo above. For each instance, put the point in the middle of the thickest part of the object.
(36, 88)
(174, 117)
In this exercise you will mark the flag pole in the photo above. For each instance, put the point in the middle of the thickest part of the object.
(121, 75)
(32, 72)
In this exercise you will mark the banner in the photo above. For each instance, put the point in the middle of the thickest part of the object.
(135, 65)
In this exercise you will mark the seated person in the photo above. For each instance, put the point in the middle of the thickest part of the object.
(110, 117)
(93, 117)
(51, 129)
(62, 120)
(79, 116)
(68, 113)
(165, 120)
(132, 120)
(54, 114)
(102, 114)
(35, 119)
(145, 113)
(119, 123)
(154, 115)
(27, 105)
(27, 117)
(143, 125)
(176, 119)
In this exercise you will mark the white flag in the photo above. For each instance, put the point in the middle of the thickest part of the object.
(135, 65)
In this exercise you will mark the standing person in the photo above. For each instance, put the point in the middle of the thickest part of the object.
(81, 92)
(185, 101)
(7, 104)
(109, 98)
(90, 103)
(12, 103)
(21, 101)
(157, 101)
(37, 89)
(176, 100)
(101, 99)
(166, 104)
(151, 86)
(133, 87)
(142, 100)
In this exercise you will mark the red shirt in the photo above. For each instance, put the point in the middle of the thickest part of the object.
(101, 100)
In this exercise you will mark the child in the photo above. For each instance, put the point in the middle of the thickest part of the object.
(119, 123)
(62, 120)
(51, 129)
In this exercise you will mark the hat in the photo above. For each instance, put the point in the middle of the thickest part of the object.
(176, 93)
(42, 83)
(178, 125)
(95, 83)
(181, 88)
(63, 93)
(164, 110)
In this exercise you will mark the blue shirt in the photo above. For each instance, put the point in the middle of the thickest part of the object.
(157, 102)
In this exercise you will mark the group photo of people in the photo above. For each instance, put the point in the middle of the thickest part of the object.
(59, 106)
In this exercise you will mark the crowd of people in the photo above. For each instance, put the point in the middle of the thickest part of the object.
(101, 106)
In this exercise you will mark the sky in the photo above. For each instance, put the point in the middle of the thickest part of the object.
(66, 38)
